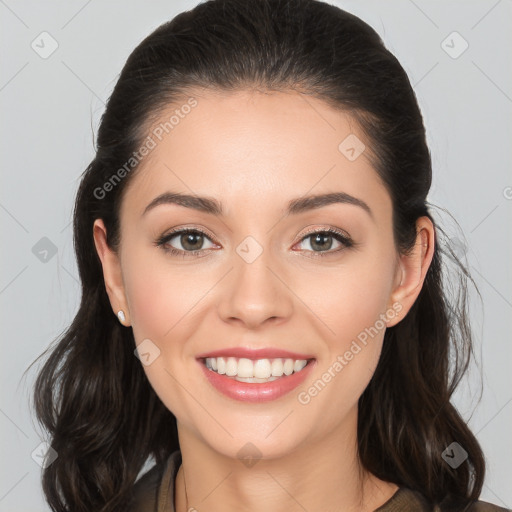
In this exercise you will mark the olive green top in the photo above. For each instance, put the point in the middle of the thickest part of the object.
(154, 492)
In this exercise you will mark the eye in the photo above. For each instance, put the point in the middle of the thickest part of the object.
(189, 242)
(321, 241)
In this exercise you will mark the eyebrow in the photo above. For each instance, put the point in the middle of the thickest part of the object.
(295, 206)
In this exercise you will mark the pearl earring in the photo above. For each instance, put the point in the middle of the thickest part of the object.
(120, 315)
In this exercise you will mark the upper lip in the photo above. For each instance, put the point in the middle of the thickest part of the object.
(254, 353)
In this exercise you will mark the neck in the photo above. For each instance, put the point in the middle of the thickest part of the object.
(324, 475)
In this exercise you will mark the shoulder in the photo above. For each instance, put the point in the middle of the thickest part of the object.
(484, 506)
(155, 489)
(145, 490)
(407, 500)
(474, 506)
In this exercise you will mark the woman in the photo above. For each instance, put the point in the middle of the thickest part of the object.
(262, 313)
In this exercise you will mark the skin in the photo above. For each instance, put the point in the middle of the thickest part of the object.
(254, 152)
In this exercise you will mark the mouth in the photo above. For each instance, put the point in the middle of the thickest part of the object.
(255, 380)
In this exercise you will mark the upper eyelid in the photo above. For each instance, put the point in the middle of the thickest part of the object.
(179, 231)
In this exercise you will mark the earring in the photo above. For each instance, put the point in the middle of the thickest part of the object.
(121, 317)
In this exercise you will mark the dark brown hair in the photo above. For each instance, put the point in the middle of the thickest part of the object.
(92, 396)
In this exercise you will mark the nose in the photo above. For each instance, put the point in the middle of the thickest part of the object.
(255, 293)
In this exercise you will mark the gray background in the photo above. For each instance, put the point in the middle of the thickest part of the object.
(50, 112)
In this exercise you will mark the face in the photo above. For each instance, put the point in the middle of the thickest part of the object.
(317, 281)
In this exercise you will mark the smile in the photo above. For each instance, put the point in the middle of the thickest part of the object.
(257, 380)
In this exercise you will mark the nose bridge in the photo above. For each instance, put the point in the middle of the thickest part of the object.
(254, 294)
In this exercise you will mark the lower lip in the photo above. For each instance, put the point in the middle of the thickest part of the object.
(256, 392)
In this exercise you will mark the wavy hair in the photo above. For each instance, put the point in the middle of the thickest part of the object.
(91, 394)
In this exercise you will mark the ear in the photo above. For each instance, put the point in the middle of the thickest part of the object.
(111, 272)
(412, 269)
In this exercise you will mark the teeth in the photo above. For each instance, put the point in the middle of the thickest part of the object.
(245, 368)
(221, 364)
(231, 367)
(299, 365)
(254, 380)
(288, 366)
(277, 367)
(261, 370)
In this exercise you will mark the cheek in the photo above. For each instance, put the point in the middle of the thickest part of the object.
(151, 305)
(352, 301)
(161, 304)
(350, 297)
(160, 299)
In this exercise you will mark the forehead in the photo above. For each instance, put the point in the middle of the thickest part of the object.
(253, 146)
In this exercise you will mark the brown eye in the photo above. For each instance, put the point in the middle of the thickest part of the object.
(322, 241)
(185, 242)
(191, 241)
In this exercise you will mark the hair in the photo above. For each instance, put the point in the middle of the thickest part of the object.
(92, 396)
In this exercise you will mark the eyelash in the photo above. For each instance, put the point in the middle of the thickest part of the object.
(345, 240)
